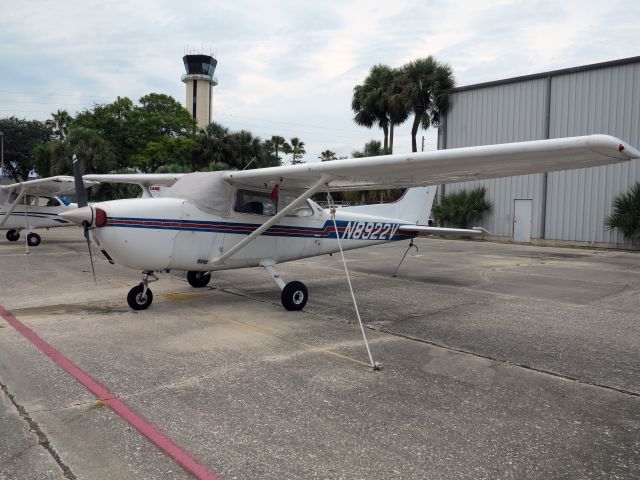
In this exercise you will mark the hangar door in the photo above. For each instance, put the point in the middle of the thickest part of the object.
(522, 215)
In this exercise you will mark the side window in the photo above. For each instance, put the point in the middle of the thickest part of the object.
(28, 200)
(258, 203)
(49, 201)
(303, 210)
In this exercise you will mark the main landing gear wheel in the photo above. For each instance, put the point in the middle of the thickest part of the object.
(33, 239)
(198, 279)
(137, 300)
(294, 296)
(13, 235)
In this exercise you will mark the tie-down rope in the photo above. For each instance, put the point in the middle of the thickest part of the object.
(332, 209)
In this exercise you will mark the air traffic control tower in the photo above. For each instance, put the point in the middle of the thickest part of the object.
(200, 81)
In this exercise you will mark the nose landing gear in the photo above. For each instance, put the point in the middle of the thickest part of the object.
(141, 296)
(13, 235)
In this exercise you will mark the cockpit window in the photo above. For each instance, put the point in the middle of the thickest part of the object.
(52, 202)
(258, 203)
(303, 210)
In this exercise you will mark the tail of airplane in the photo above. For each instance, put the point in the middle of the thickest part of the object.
(414, 206)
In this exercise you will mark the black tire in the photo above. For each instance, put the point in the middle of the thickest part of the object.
(294, 296)
(135, 299)
(198, 279)
(33, 239)
(13, 235)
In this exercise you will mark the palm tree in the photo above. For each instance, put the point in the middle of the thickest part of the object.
(459, 209)
(370, 100)
(242, 149)
(425, 85)
(214, 144)
(295, 149)
(59, 123)
(278, 142)
(327, 156)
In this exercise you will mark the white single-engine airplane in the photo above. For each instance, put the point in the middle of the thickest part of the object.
(35, 204)
(236, 219)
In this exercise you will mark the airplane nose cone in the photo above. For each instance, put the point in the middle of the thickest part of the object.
(78, 215)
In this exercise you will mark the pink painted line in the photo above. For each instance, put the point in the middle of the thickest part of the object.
(143, 426)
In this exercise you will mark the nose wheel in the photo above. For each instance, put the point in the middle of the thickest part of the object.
(13, 235)
(141, 296)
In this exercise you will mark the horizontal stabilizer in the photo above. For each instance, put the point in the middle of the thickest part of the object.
(447, 232)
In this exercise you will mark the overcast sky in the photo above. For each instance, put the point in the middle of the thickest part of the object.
(289, 67)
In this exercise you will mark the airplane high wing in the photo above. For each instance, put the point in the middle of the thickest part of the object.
(146, 181)
(45, 187)
(444, 166)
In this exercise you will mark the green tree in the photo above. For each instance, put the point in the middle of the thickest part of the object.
(59, 124)
(213, 147)
(379, 101)
(166, 150)
(327, 156)
(295, 149)
(372, 148)
(625, 214)
(459, 209)
(425, 84)
(278, 142)
(136, 130)
(94, 153)
(21, 137)
(244, 150)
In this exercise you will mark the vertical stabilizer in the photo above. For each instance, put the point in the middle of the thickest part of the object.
(413, 207)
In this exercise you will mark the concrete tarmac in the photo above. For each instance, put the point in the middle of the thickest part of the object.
(500, 361)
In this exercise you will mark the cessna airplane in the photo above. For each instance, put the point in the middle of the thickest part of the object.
(235, 219)
(35, 204)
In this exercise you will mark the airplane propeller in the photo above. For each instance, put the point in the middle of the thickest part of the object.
(81, 194)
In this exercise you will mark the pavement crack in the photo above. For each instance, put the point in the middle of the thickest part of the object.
(42, 437)
(506, 362)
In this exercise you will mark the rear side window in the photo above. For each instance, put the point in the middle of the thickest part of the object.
(258, 203)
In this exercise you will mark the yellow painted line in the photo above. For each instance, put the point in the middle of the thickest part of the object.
(178, 297)
(273, 333)
(118, 284)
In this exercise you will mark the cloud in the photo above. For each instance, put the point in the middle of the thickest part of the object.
(285, 67)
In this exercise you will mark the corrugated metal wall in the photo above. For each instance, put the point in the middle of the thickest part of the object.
(513, 112)
(595, 101)
(604, 100)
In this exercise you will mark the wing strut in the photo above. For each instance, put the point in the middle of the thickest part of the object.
(266, 225)
(13, 206)
(332, 209)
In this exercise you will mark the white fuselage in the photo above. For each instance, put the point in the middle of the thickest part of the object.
(171, 233)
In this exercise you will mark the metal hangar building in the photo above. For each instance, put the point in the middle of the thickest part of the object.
(566, 207)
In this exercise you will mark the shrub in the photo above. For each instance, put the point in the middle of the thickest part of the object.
(626, 213)
(459, 209)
